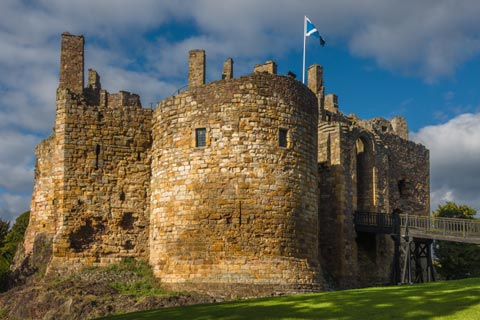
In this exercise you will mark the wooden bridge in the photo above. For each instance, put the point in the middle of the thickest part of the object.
(424, 227)
(413, 236)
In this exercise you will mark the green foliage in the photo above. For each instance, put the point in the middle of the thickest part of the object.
(145, 284)
(8, 244)
(14, 236)
(452, 210)
(4, 226)
(4, 263)
(438, 300)
(457, 260)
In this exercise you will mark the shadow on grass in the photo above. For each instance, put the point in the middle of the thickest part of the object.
(445, 300)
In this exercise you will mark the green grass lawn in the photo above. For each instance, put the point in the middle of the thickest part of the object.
(439, 300)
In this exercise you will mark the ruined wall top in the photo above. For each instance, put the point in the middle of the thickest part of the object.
(269, 67)
(400, 127)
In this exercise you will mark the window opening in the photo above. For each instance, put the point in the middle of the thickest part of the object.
(200, 137)
(402, 187)
(97, 153)
(282, 137)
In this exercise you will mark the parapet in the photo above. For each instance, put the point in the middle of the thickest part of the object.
(93, 80)
(269, 67)
(124, 99)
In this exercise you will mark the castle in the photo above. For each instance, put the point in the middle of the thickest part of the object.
(246, 185)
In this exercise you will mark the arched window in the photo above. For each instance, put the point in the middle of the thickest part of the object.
(364, 173)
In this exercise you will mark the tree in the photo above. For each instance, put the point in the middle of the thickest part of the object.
(457, 260)
(8, 244)
(4, 226)
(14, 236)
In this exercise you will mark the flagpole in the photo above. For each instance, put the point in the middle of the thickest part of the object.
(304, 42)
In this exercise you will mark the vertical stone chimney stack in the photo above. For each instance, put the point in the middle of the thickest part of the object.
(72, 63)
(196, 68)
(315, 78)
(315, 83)
(227, 73)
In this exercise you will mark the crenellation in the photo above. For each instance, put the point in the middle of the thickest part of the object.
(243, 186)
(93, 80)
(268, 67)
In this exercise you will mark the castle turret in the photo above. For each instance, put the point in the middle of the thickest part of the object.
(72, 63)
(233, 189)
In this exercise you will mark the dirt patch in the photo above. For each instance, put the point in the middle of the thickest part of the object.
(86, 295)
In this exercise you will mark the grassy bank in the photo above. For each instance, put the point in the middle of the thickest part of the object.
(441, 300)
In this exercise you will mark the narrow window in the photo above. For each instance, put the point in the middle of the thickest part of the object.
(402, 187)
(97, 153)
(200, 137)
(282, 137)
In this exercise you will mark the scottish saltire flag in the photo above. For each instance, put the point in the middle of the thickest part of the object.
(310, 30)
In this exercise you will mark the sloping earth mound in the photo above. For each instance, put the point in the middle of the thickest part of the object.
(90, 294)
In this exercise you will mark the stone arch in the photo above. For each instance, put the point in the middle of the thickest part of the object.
(364, 189)
(364, 173)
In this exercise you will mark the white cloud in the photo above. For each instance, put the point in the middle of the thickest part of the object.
(16, 172)
(454, 160)
(429, 39)
(12, 205)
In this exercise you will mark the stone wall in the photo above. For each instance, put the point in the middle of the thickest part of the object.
(106, 166)
(92, 176)
(43, 205)
(365, 166)
(241, 209)
(247, 186)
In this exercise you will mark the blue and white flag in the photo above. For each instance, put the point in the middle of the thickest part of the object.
(310, 30)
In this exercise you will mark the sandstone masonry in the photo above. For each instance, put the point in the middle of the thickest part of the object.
(244, 185)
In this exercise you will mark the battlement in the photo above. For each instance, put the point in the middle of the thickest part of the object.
(269, 67)
(72, 77)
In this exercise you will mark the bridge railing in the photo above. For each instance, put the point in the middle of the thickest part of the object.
(440, 226)
(374, 222)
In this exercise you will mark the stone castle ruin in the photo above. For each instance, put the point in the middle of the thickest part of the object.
(246, 185)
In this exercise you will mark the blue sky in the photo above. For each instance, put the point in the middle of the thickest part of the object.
(418, 59)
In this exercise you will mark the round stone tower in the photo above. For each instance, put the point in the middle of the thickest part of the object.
(234, 186)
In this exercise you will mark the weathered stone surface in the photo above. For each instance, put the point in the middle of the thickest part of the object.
(196, 68)
(261, 201)
(365, 166)
(242, 209)
(268, 67)
(72, 63)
